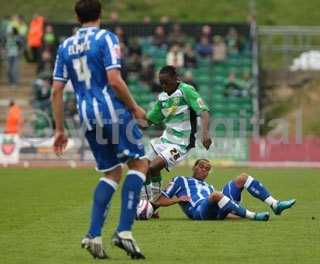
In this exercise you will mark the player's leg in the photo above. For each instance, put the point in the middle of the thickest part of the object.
(107, 163)
(130, 149)
(223, 205)
(153, 177)
(258, 190)
(154, 174)
(169, 155)
(233, 190)
(130, 197)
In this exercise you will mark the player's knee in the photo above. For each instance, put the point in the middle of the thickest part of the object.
(139, 165)
(114, 174)
(215, 197)
(241, 180)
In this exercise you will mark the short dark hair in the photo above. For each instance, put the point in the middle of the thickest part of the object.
(198, 160)
(88, 10)
(170, 70)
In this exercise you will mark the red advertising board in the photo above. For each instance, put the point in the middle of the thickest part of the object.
(264, 150)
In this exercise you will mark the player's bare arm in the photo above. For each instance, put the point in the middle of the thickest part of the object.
(164, 201)
(60, 139)
(206, 139)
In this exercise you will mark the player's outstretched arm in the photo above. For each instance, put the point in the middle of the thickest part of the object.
(164, 201)
(123, 93)
(60, 139)
(206, 139)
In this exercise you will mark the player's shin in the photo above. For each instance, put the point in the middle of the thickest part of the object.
(256, 189)
(130, 198)
(229, 206)
(155, 187)
(101, 201)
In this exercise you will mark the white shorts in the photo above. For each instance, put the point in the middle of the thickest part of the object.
(170, 153)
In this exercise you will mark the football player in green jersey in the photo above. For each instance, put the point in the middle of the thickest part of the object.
(178, 107)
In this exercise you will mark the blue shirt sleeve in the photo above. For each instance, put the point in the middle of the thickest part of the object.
(60, 72)
(111, 52)
(173, 188)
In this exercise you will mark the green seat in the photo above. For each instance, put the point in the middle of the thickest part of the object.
(217, 97)
(159, 53)
(204, 62)
(219, 89)
(202, 79)
(135, 88)
(159, 62)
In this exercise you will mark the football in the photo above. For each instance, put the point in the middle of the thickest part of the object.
(144, 210)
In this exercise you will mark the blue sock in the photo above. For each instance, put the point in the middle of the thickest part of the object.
(256, 189)
(101, 201)
(229, 206)
(130, 196)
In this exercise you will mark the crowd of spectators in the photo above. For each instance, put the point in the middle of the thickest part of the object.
(37, 43)
(177, 49)
(34, 42)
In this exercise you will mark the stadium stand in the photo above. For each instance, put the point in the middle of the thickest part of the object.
(218, 64)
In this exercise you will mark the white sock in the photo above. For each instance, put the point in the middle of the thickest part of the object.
(248, 182)
(250, 214)
(271, 201)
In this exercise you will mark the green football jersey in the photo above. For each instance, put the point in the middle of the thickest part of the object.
(178, 112)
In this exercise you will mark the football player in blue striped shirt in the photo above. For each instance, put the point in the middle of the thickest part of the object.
(90, 59)
(200, 201)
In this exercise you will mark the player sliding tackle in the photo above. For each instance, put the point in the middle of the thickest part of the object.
(177, 107)
(200, 201)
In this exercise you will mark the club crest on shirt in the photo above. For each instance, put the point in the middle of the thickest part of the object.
(117, 51)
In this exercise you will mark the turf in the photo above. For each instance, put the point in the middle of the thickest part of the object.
(44, 213)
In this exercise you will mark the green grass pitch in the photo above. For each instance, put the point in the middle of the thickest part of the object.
(45, 212)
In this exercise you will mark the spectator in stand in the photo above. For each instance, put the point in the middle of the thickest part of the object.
(114, 17)
(175, 57)
(14, 46)
(22, 27)
(164, 20)
(156, 86)
(46, 63)
(232, 41)
(121, 35)
(148, 69)
(18, 22)
(35, 34)
(176, 36)
(190, 59)
(134, 46)
(48, 50)
(234, 87)
(159, 37)
(206, 31)
(219, 49)
(14, 120)
(134, 63)
(49, 39)
(188, 78)
(4, 23)
(204, 47)
(147, 20)
(41, 91)
(247, 83)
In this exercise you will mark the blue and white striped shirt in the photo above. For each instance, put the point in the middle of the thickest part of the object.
(84, 59)
(197, 190)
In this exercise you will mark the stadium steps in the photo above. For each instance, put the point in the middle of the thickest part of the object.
(22, 93)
